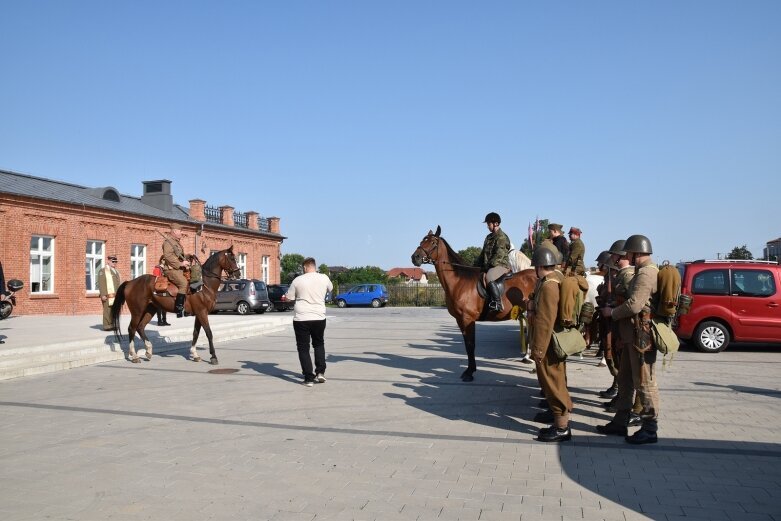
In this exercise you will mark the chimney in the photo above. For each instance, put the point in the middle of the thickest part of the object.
(158, 195)
(252, 220)
(226, 215)
(273, 224)
(198, 209)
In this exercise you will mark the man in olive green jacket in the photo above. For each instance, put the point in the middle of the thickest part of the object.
(494, 260)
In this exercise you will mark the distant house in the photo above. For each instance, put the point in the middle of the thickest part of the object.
(409, 275)
(773, 250)
(333, 271)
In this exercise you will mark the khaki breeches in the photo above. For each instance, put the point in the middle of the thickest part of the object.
(552, 375)
(637, 373)
(178, 280)
(495, 272)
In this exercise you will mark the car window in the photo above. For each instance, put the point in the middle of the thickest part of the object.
(711, 282)
(372, 289)
(360, 289)
(260, 286)
(753, 283)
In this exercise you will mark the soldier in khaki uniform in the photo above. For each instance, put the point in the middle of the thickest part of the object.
(494, 259)
(108, 282)
(638, 356)
(551, 372)
(175, 262)
(577, 252)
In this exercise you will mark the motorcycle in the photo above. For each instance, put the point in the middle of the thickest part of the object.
(7, 305)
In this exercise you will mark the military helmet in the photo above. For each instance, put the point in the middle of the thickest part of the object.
(618, 247)
(544, 257)
(604, 259)
(493, 217)
(638, 244)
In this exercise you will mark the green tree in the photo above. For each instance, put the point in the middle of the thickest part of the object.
(291, 267)
(324, 269)
(539, 235)
(470, 255)
(432, 277)
(740, 252)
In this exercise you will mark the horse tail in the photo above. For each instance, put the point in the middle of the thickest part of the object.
(116, 309)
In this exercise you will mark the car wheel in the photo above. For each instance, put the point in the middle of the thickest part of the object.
(242, 308)
(376, 303)
(711, 337)
(341, 303)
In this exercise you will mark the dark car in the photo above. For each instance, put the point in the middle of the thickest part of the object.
(732, 300)
(243, 295)
(276, 293)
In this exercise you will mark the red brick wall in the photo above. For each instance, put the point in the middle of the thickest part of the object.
(72, 226)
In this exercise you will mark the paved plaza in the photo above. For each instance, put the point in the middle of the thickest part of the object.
(392, 435)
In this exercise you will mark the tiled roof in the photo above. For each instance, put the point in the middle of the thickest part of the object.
(413, 273)
(40, 188)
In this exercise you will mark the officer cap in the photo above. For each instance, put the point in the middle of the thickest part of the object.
(618, 247)
(544, 257)
(175, 226)
(575, 229)
(112, 258)
(554, 226)
(493, 217)
(604, 259)
(638, 244)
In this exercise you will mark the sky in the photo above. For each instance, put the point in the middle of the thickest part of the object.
(363, 125)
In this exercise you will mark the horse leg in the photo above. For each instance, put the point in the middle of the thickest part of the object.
(208, 330)
(145, 318)
(193, 351)
(468, 331)
(131, 335)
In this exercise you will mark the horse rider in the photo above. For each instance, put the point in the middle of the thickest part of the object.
(559, 240)
(494, 260)
(175, 264)
(577, 252)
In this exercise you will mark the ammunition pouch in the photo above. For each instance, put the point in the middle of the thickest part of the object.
(566, 342)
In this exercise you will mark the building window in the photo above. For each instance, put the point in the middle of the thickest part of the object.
(264, 268)
(241, 262)
(41, 264)
(93, 264)
(137, 260)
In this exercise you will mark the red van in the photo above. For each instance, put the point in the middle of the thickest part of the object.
(733, 300)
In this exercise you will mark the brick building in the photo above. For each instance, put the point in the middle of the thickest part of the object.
(55, 236)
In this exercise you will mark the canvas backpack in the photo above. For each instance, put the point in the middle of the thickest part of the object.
(572, 291)
(668, 289)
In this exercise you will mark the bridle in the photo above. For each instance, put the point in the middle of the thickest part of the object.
(427, 254)
(233, 274)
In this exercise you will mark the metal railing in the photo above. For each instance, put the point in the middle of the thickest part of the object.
(212, 214)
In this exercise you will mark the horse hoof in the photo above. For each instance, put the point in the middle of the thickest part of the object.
(195, 358)
(149, 356)
(135, 360)
(467, 378)
(213, 361)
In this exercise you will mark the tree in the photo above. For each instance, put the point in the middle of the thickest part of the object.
(324, 269)
(291, 267)
(539, 235)
(470, 255)
(740, 252)
(432, 277)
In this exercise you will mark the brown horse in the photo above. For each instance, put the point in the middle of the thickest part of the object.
(460, 284)
(143, 302)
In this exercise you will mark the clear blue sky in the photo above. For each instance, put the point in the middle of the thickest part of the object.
(362, 125)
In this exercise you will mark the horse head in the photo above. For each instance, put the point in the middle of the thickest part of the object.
(227, 262)
(426, 253)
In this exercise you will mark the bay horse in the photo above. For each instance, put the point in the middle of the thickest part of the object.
(460, 284)
(143, 302)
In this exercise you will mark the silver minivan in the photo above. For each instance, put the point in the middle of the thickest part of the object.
(243, 295)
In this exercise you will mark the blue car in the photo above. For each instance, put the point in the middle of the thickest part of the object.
(374, 295)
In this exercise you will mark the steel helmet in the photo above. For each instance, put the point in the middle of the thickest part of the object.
(604, 259)
(638, 244)
(493, 217)
(618, 247)
(544, 257)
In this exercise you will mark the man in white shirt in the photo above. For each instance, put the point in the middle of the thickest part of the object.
(308, 291)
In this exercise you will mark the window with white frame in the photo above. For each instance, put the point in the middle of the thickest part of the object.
(137, 260)
(93, 264)
(41, 264)
(264, 268)
(241, 262)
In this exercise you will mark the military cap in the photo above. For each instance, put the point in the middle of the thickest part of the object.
(575, 229)
(112, 258)
(554, 226)
(175, 226)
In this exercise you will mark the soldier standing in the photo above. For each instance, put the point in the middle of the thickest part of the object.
(638, 355)
(494, 260)
(175, 262)
(551, 372)
(577, 252)
(108, 282)
(559, 240)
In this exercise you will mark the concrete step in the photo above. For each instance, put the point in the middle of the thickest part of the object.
(56, 356)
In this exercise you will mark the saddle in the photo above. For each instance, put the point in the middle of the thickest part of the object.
(164, 287)
(483, 292)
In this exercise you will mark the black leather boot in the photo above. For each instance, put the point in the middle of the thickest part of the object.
(616, 427)
(179, 305)
(553, 433)
(161, 321)
(496, 297)
(610, 393)
(646, 434)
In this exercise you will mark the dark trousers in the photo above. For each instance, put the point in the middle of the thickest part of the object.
(314, 330)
